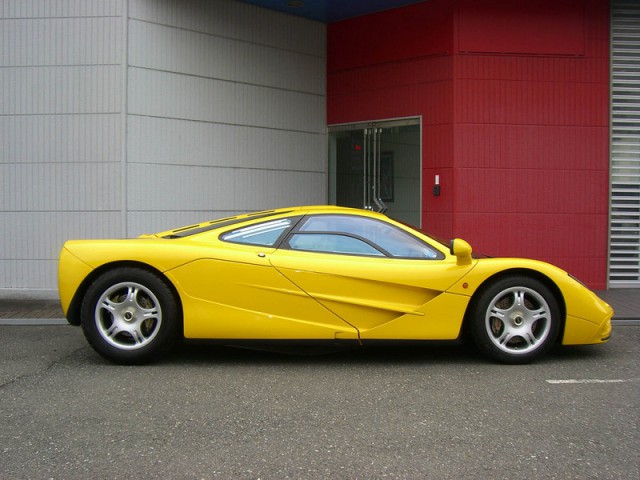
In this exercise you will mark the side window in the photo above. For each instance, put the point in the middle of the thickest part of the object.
(265, 234)
(331, 243)
(377, 235)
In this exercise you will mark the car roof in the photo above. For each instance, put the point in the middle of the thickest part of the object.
(297, 210)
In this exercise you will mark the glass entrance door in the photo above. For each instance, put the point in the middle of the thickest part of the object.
(376, 166)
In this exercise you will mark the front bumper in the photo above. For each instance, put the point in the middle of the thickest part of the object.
(579, 331)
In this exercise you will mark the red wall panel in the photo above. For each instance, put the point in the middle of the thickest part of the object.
(399, 89)
(532, 103)
(522, 26)
(532, 138)
(520, 140)
(531, 146)
(410, 32)
(578, 243)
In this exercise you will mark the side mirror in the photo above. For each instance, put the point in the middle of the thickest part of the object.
(462, 250)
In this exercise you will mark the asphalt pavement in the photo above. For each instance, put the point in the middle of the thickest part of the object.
(203, 412)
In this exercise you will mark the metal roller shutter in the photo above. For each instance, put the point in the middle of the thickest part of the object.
(624, 255)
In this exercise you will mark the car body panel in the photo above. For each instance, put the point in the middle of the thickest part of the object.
(370, 294)
(579, 331)
(238, 291)
(439, 319)
(71, 273)
(588, 317)
(224, 299)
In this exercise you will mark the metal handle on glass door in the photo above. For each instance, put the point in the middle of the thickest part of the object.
(377, 176)
(366, 177)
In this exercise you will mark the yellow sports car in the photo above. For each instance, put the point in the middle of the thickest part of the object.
(317, 274)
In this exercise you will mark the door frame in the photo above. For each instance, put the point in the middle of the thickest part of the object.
(366, 125)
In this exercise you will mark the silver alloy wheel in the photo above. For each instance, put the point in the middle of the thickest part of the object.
(128, 316)
(518, 320)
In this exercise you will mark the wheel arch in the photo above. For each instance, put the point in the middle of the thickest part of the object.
(73, 313)
(544, 279)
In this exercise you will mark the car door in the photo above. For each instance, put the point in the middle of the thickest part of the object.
(375, 275)
(235, 292)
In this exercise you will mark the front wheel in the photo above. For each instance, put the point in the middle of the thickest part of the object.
(130, 315)
(515, 320)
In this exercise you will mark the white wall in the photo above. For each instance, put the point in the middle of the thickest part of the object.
(60, 135)
(226, 111)
(123, 117)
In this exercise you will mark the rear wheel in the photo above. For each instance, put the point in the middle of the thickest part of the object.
(515, 320)
(130, 315)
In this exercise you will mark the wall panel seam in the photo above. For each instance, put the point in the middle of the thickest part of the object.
(226, 37)
(226, 80)
(217, 167)
(60, 18)
(257, 127)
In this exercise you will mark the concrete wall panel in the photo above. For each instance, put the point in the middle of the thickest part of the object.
(183, 142)
(171, 49)
(226, 111)
(61, 132)
(123, 117)
(232, 19)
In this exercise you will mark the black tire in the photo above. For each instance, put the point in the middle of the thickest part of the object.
(130, 315)
(515, 320)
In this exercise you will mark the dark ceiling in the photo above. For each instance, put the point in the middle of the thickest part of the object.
(329, 11)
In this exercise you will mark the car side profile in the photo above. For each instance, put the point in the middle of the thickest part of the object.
(320, 274)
